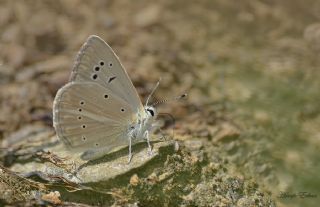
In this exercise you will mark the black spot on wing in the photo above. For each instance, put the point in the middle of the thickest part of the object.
(96, 68)
(111, 79)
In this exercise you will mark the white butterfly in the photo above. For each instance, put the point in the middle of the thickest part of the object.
(99, 110)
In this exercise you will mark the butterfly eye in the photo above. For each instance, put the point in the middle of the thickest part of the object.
(81, 102)
(83, 126)
(106, 96)
(101, 63)
(79, 110)
(96, 68)
(79, 117)
(151, 112)
(122, 109)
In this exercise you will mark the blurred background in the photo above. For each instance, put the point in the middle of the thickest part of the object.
(252, 63)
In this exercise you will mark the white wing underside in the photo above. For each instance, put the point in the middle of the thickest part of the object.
(94, 110)
(91, 54)
(84, 119)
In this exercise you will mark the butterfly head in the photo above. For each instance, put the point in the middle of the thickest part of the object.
(151, 112)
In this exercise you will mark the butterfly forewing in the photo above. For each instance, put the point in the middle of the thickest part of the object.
(89, 116)
(96, 62)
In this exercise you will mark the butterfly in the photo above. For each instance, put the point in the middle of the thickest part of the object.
(99, 109)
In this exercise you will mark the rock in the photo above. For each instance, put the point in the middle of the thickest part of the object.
(80, 171)
(52, 197)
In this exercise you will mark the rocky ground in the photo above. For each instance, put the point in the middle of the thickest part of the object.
(248, 131)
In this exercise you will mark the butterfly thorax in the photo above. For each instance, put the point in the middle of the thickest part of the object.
(143, 123)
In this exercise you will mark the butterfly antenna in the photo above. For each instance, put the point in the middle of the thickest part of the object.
(172, 99)
(152, 92)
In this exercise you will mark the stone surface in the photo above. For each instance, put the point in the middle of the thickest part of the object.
(76, 170)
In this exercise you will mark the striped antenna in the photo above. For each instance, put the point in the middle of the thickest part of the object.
(168, 100)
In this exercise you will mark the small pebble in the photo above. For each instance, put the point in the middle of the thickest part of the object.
(134, 180)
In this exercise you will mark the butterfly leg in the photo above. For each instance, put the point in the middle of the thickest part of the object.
(148, 141)
(130, 154)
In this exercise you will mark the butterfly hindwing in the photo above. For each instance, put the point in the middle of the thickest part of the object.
(89, 116)
(96, 62)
